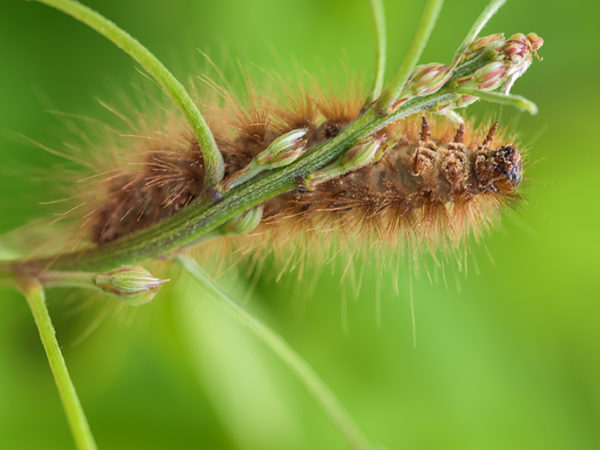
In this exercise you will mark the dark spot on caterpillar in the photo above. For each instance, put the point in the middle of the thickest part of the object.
(330, 130)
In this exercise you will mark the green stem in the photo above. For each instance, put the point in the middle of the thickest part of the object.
(288, 355)
(80, 429)
(213, 160)
(199, 218)
(483, 18)
(430, 15)
(503, 99)
(380, 49)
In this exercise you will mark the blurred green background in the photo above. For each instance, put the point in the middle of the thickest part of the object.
(507, 356)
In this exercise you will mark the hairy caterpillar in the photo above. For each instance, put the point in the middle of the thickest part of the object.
(433, 182)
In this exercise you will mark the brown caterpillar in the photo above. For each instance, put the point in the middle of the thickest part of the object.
(432, 184)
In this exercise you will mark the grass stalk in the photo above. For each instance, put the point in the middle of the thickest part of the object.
(430, 16)
(483, 18)
(380, 49)
(213, 160)
(305, 373)
(80, 429)
(502, 99)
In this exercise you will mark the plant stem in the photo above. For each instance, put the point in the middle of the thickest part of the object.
(34, 293)
(503, 99)
(483, 18)
(213, 161)
(380, 49)
(199, 218)
(288, 355)
(430, 15)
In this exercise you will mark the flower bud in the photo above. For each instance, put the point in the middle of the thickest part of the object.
(243, 223)
(486, 78)
(282, 151)
(520, 47)
(509, 60)
(517, 53)
(133, 285)
(536, 43)
(361, 155)
(459, 101)
(427, 79)
(464, 100)
(484, 43)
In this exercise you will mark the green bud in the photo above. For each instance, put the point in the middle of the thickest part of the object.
(311, 180)
(427, 79)
(459, 101)
(463, 101)
(510, 59)
(133, 285)
(360, 155)
(243, 223)
(483, 44)
(486, 78)
(283, 150)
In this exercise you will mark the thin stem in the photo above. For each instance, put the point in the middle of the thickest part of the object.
(430, 15)
(380, 48)
(288, 355)
(80, 429)
(483, 18)
(503, 99)
(213, 160)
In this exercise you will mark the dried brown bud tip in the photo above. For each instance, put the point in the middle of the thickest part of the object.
(459, 137)
(425, 131)
(490, 136)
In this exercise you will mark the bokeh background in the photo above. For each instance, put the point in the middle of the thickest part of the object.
(507, 355)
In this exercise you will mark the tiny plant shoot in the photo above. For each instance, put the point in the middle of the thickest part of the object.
(396, 164)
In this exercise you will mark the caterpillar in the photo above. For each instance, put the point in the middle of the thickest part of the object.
(437, 180)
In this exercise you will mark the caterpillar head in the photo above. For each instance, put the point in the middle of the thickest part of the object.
(499, 170)
(507, 169)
